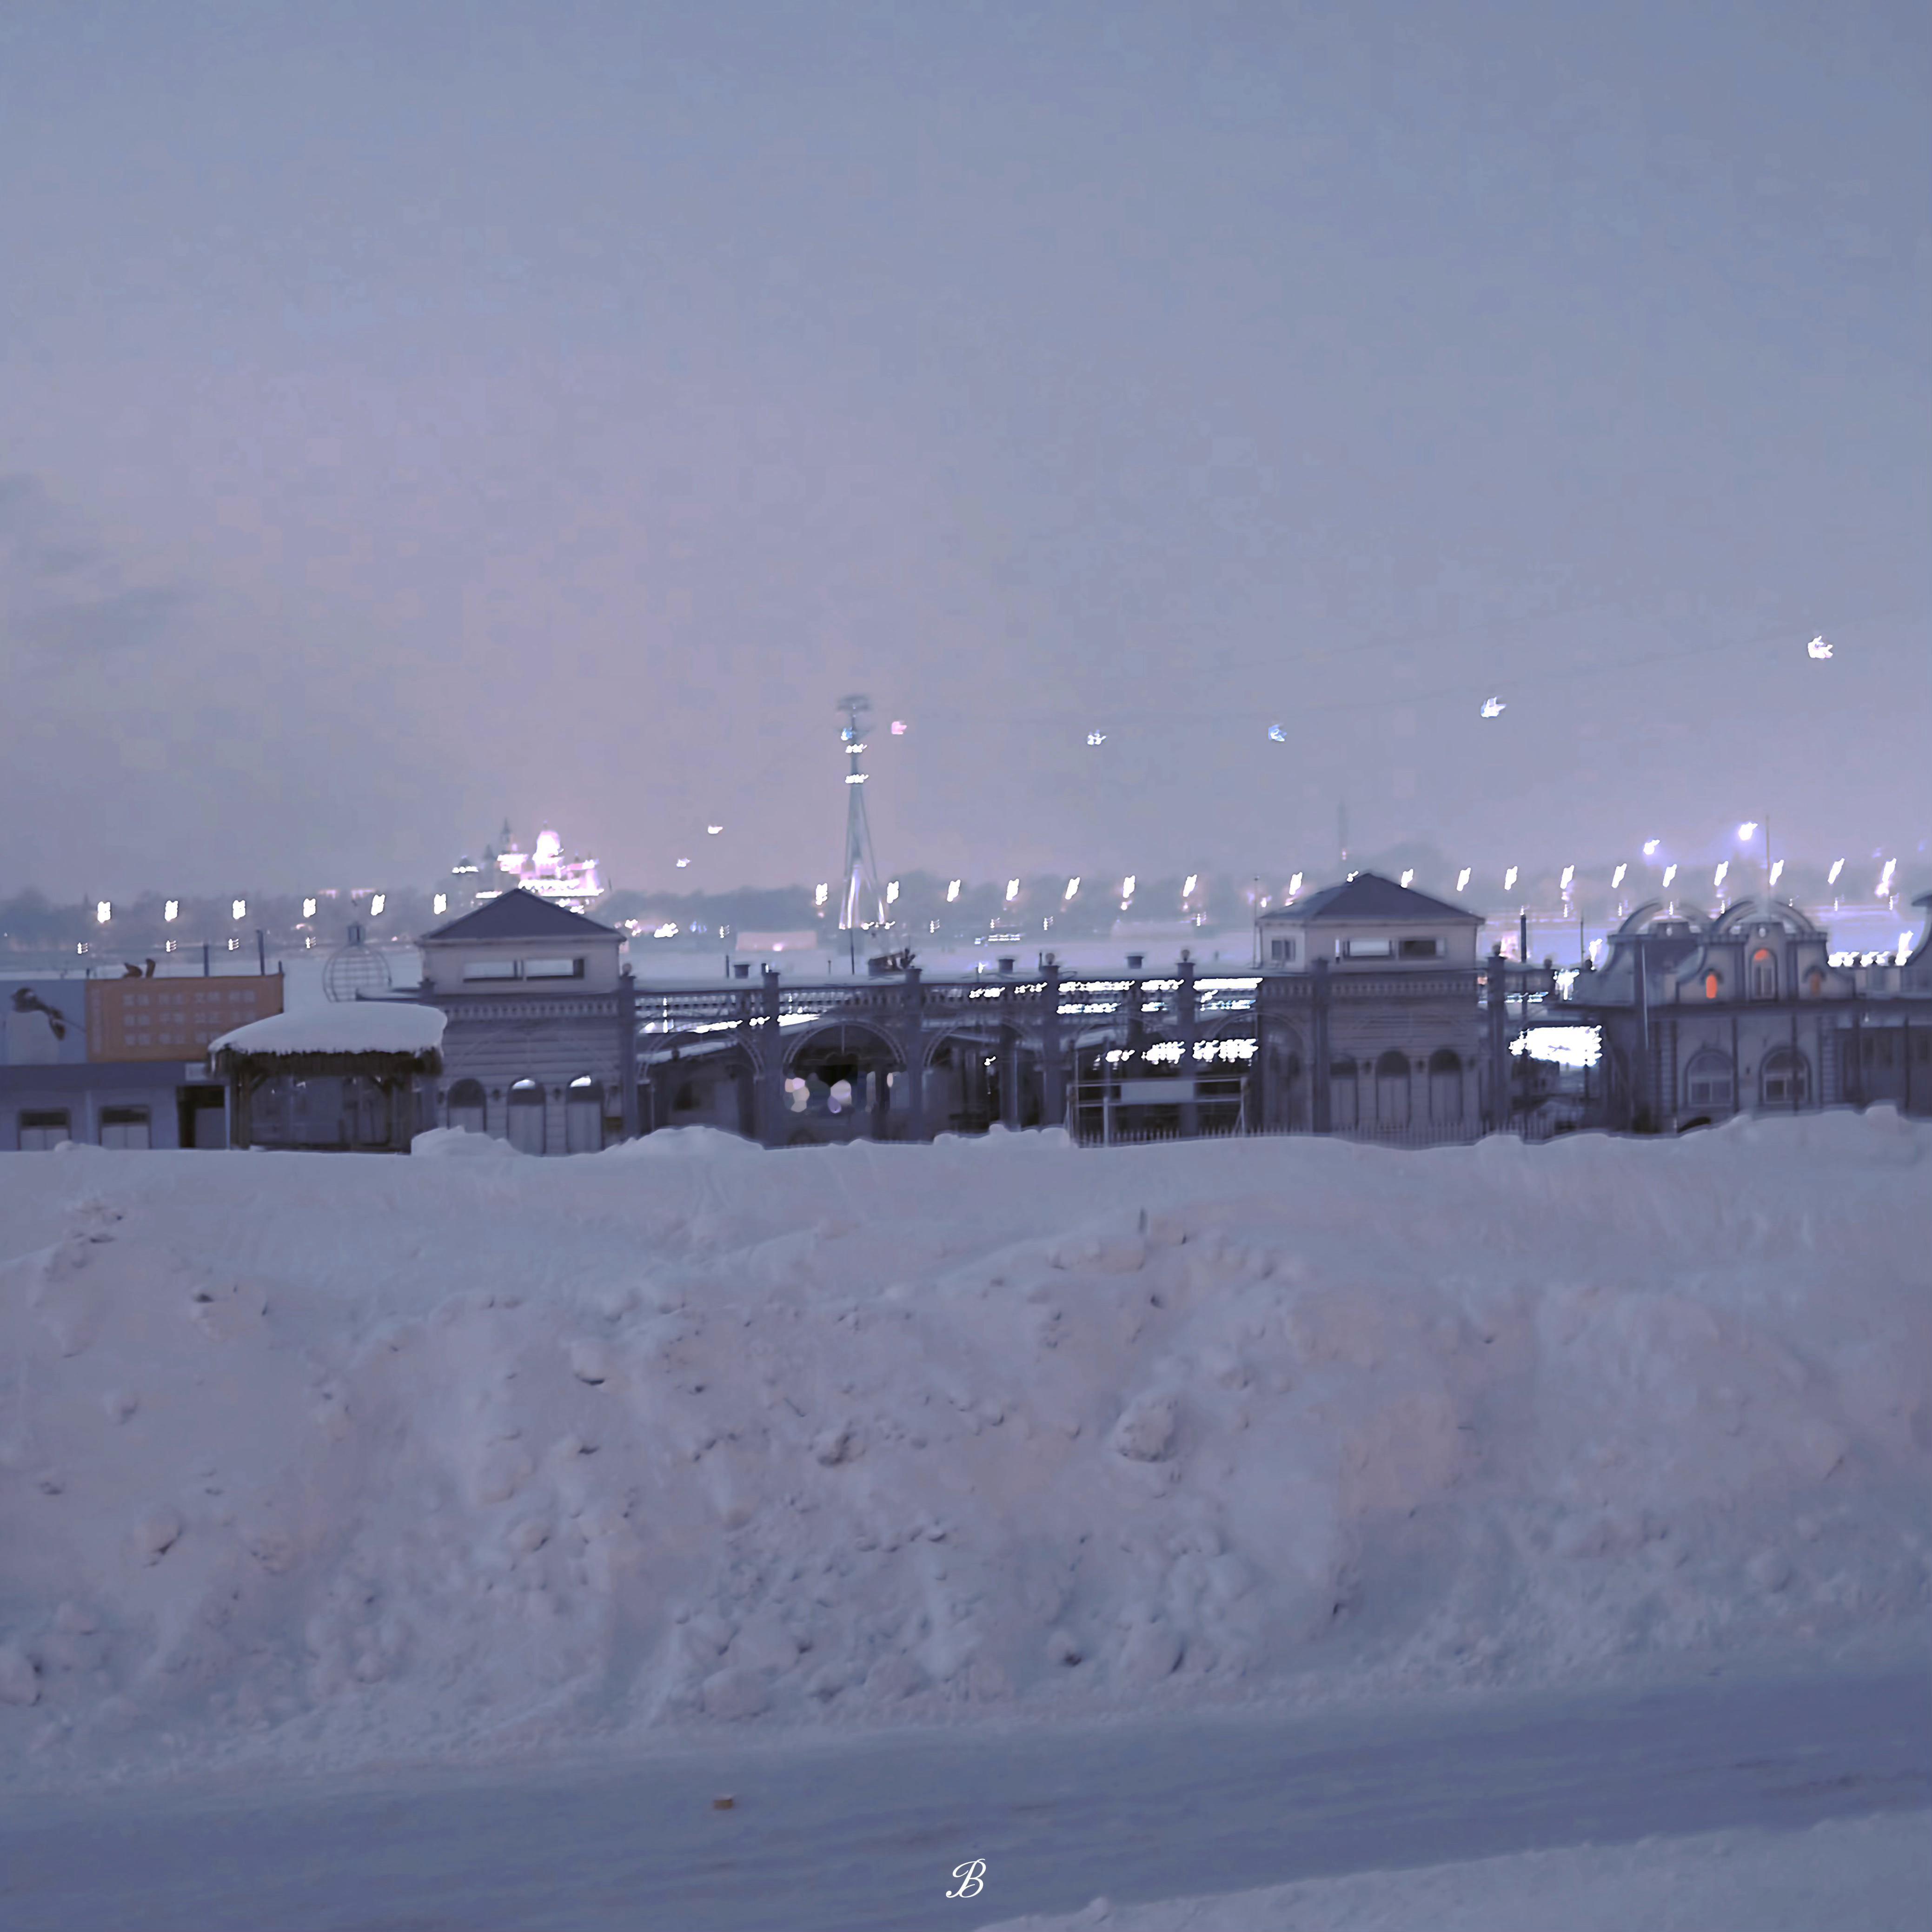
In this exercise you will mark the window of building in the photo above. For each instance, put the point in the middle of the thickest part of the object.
(1281, 950)
(583, 1115)
(1707, 1080)
(1764, 974)
(489, 969)
(42, 1128)
(1784, 1079)
(1365, 949)
(1343, 1109)
(553, 969)
(1422, 948)
(1712, 983)
(526, 1116)
(1392, 1089)
(124, 1127)
(467, 1106)
(1445, 1084)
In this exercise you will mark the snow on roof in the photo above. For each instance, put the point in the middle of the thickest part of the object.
(349, 1026)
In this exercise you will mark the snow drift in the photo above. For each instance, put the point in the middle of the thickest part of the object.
(326, 1457)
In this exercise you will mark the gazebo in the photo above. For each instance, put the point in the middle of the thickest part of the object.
(357, 1077)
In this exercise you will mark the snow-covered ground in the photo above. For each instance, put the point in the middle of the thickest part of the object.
(319, 1459)
(1874, 1873)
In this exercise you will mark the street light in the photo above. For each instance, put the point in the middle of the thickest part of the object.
(171, 911)
(103, 912)
(1617, 877)
(240, 908)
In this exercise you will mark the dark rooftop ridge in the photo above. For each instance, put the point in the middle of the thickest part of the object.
(517, 914)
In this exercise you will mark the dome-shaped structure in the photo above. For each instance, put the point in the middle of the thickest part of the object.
(354, 970)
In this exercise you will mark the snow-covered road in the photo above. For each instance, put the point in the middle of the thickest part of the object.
(838, 1836)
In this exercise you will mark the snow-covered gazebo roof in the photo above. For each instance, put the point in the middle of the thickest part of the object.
(348, 1027)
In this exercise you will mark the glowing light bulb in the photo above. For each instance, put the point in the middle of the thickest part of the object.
(240, 908)
(1187, 890)
(439, 905)
(1072, 886)
(899, 728)
(891, 891)
(1617, 877)
(172, 910)
(682, 863)
(1276, 735)
(1509, 879)
(1127, 886)
(308, 909)
(951, 890)
(1493, 707)
(1012, 890)
(1295, 885)
(1818, 648)
(1650, 846)
(102, 913)
(1777, 870)
(1463, 877)
(1723, 867)
(1096, 737)
(1569, 874)
(713, 830)
(1409, 878)
(1670, 873)
(1831, 876)
(820, 894)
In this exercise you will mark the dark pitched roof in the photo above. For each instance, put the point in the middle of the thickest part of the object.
(517, 914)
(1369, 896)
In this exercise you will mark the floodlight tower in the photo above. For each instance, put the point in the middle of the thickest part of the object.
(863, 903)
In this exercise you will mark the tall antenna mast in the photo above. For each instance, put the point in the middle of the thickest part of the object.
(863, 904)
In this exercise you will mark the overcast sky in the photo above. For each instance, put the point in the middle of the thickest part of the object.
(414, 415)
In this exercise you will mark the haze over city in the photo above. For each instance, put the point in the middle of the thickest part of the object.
(414, 417)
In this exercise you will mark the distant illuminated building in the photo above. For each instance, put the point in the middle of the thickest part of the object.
(576, 883)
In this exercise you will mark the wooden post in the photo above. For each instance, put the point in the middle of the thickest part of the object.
(1190, 1112)
(912, 1035)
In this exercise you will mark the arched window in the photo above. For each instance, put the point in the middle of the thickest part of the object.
(1764, 974)
(467, 1106)
(583, 1116)
(1392, 1090)
(1344, 1099)
(1707, 1080)
(526, 1116)
(1445, 1084)
(1712, 983)
(1784, 1080)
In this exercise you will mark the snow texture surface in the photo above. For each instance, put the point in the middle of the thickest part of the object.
(343, 1026)
(1874, 1873)
(317, 1459)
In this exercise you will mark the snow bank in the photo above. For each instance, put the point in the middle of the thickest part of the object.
(1875, 1873)
(345, 1026)
(325, 1457)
